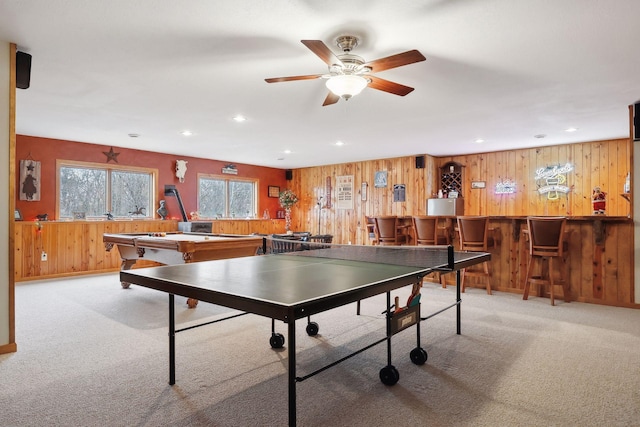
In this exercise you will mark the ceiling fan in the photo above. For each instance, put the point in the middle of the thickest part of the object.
(349, 74)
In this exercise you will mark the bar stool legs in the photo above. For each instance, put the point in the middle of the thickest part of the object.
(546, 277)
(484, 273)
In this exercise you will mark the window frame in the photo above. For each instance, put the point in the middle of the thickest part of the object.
(109, 167)
(227, 179)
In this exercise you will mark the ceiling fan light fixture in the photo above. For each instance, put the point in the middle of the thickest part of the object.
(347, 85)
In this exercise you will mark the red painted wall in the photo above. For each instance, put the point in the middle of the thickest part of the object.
(47, 151)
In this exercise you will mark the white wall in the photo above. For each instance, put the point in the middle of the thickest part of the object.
(5, 67)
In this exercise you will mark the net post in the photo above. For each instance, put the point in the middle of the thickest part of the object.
(450, 257)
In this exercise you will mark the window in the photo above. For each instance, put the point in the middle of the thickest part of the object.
(221, 197)
(93, 190)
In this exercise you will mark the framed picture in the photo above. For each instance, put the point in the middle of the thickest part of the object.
(399, 193)
(274, 191)
(29, 180)
(380, 180)
(344, 192)
(17, 216)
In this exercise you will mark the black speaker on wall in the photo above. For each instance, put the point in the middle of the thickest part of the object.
(23, 70)
(419, 162)
(636, 121)
(288, 174)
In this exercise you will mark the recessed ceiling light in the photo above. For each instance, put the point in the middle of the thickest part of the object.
(571, 129)
(187, 133)
(540, 136)
(339, 143)
(287, 151)
(239, 118)
(134, 135)
(479, 141)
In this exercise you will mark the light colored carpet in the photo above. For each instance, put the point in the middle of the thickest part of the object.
(93, 354)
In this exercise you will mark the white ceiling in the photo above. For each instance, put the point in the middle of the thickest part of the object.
(500, 70)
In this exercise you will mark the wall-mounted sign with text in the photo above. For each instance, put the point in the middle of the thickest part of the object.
(506, 187)
(552, 180)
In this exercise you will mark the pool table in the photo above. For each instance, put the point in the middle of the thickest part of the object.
(178, 248)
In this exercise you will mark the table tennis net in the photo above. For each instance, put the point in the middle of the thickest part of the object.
(436, 257)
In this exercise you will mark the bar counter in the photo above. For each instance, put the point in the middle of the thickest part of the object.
(599, 258)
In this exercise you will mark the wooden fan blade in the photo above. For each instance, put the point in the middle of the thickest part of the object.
(394, 61)
(292, 78)
(387, 86)
(323, 52)
(331, 98)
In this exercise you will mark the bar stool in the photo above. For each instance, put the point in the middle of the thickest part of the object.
(371, 229)
(388, 231)
(474, 236)
(427, 233)
(547, 242)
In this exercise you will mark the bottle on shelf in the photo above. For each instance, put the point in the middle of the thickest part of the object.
(627, 184)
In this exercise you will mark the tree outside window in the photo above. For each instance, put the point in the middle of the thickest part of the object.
(221, 197)
(94, 190)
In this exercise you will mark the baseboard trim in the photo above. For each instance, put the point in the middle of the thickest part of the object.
(8, 348)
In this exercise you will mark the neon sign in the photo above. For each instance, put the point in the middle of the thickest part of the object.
(552, 180)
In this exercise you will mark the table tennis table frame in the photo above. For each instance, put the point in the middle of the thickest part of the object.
(289, 314)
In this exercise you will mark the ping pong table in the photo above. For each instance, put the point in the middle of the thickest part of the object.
(314, 279)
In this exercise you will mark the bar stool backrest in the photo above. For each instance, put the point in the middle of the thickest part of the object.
(546, 236)
(387, 230)
(474, 231)
(425, 229)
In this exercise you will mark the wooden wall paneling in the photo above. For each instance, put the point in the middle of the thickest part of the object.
(523, 252)
(18, 250)
(562, 157)
(543, 159)
(609, 263)
(595, 166)
(589, 175)
(613, 176)
(522, 184)
(496, 203)
(486, 196)
(471, 172)
(532, 195)
(577, 193)
(92, 253)
(621, 247)
(586, 269)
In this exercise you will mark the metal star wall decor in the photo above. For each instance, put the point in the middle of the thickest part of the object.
(111, 155)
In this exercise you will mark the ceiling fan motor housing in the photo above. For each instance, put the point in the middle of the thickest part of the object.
(347, 43)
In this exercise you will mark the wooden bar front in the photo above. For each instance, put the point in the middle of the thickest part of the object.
(76, 247)
(600, 258)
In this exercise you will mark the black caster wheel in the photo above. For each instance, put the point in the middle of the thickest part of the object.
(276, 340)
(418, 356)
(389, 375)
(312, 329)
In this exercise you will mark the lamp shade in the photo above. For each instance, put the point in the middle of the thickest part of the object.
(346, 85)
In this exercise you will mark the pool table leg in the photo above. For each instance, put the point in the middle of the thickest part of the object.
(126, 265)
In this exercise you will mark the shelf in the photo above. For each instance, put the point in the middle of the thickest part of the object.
(451, 178)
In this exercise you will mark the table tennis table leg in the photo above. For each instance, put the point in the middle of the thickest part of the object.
(172, 341)
(458, 300)
(389, 328)
(292, 370)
